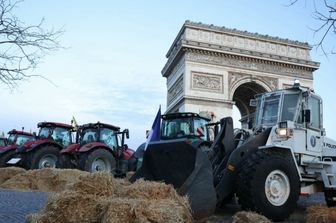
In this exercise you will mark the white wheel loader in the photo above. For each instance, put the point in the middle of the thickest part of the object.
(284, 155)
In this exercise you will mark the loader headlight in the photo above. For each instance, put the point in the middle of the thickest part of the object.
(284, 132)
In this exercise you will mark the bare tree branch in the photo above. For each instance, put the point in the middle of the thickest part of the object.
(327, 17)
(22, 47)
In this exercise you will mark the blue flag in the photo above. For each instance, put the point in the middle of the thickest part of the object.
(154, 134)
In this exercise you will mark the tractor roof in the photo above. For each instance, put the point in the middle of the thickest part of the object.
(54, 124)
(100, 125)
(14, 131)
(183, 115)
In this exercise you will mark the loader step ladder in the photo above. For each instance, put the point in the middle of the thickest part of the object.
(325, 170)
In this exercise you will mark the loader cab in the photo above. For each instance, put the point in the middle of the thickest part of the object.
(297, 111)
(184, 125)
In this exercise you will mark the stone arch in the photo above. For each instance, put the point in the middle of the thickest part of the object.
(241, 93)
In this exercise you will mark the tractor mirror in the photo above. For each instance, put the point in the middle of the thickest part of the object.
(126, 131)
(253, 102)
(306, 115)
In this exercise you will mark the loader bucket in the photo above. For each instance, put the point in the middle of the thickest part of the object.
(182, 164)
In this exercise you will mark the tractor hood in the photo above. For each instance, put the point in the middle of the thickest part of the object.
(6, 148)
(92, 145)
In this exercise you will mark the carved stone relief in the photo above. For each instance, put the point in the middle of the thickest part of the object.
(251, 64)
(203, 81)
(236, 77)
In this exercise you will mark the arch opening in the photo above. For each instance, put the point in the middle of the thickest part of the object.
(242, 96)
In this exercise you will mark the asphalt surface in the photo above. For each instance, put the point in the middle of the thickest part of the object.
(15, 205)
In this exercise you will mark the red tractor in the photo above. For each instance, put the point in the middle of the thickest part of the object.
(15, 139)
(99, 147)
(45, 150)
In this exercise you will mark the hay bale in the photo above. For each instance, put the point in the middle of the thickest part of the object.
(249, 217)
(99, 184)
(68, 207)
(317, 214)
(47, 180)
(119, 210)
(150, 190)
(8, 172)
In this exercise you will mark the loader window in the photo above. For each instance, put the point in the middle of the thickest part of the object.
(289, 107)
(314, 106)
(270, 110)
(200, 128)
(176, 128)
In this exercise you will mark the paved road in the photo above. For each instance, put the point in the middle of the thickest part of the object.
(15, 205)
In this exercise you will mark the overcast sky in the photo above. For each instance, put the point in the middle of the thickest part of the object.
(111, 68)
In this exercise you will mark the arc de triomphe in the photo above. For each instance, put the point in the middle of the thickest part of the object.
(211, 68)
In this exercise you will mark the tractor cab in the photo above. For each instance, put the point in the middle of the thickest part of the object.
(99, 132)
(184, 125)
(19, 137)
(58, 132)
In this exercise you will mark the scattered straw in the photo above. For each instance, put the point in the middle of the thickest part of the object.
(249, 217)
(120, 210)
(48, 180)
(320, 214)
(8, 172)
(68, 207)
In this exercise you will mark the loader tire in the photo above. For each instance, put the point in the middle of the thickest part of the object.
(330, 195)
(44, 157)
(5, 157)
(268, 183)
(97, 160)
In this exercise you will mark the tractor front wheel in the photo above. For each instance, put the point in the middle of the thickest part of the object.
(5, 157)
(269, 184)
(44, 157)
(97, 160)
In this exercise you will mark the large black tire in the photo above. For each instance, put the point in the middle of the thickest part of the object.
(44, 157)
(6, 156)
(65, 162)
(329, 195)
(97, 160)
(269, 184)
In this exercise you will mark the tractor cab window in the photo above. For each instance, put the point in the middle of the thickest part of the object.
(289, 107)
(315, 111)
(21, 139)
(200, 128)
(89, 135)
(108, 137)
(62, 136)
(45, 133)
(2, 142)
(11, 139)
(270, 110)
(176, 128)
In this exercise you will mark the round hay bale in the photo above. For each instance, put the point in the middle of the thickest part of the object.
(118, 210)
(8, 172)
(99, 184)
(47, 180)
(318, 213)
(68, 207)
(249, 217)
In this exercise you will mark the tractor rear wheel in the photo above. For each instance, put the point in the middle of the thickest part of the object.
(269, 184)
(5, 157)
(97, 160)
(44, 157)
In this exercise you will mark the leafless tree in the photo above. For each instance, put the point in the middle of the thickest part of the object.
(325, 13)
(22, 46)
